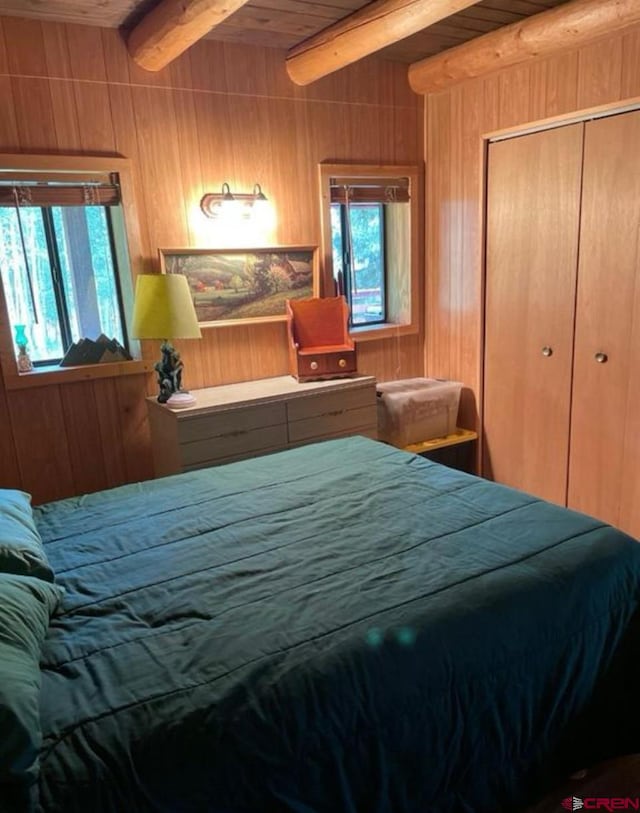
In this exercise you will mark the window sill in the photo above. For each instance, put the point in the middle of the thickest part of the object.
(46, 376)
(387, 330)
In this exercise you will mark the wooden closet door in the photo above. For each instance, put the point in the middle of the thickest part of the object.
(604, 476)
(533, 211)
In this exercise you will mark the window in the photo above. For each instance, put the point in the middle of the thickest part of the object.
(59, 258)
(357, 232)
(370, 244)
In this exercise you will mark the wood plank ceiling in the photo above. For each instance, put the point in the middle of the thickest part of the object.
(285, 23)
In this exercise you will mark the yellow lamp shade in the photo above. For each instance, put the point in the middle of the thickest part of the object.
(163, 308)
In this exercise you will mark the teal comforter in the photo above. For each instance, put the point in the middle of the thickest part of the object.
(341, 628)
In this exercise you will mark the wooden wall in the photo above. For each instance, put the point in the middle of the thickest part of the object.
(222, 112)
(606, 72)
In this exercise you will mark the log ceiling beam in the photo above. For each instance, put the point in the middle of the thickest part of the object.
(568, 26)
(172, 27)
(364, 32)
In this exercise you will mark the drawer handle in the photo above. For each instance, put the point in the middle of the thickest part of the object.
(337, 412)
(547, 351)
(601, 358)
(314, 365)
(342, 363)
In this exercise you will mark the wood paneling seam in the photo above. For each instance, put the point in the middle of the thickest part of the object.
(170, 88)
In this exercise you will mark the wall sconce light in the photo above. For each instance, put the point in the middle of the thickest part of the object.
(215, 204)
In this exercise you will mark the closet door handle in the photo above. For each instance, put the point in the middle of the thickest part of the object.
(601, 358)
(547, 351)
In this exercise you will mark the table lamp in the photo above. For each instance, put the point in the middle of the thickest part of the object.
(163, 309)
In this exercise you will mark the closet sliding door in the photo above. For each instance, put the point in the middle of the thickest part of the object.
(604, 478)
(533, 213)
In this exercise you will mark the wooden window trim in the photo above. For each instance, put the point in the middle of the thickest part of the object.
(403, 298)
(42, 376)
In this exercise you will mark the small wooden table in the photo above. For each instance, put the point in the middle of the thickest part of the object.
(454, 450)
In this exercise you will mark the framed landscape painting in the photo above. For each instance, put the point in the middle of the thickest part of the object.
(236, 286)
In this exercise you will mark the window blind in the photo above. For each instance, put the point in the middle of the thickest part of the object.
(28, 190)
(369, 190)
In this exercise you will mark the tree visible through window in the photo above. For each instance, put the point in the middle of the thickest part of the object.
(58, 268)
(357, 232)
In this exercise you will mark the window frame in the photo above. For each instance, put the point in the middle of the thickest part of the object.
(127, 254)
(402, 279)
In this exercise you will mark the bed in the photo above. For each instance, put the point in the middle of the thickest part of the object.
(340, 628)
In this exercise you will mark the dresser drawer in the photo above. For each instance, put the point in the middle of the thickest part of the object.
(335, 424)
(233, 446)
(231, 422)
(230, 434)
(330, 403)
(368, 431)
(326, 364)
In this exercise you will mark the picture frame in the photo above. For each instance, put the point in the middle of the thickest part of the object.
(238, 286)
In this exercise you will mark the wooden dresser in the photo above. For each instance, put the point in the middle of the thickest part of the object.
(236, 421)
